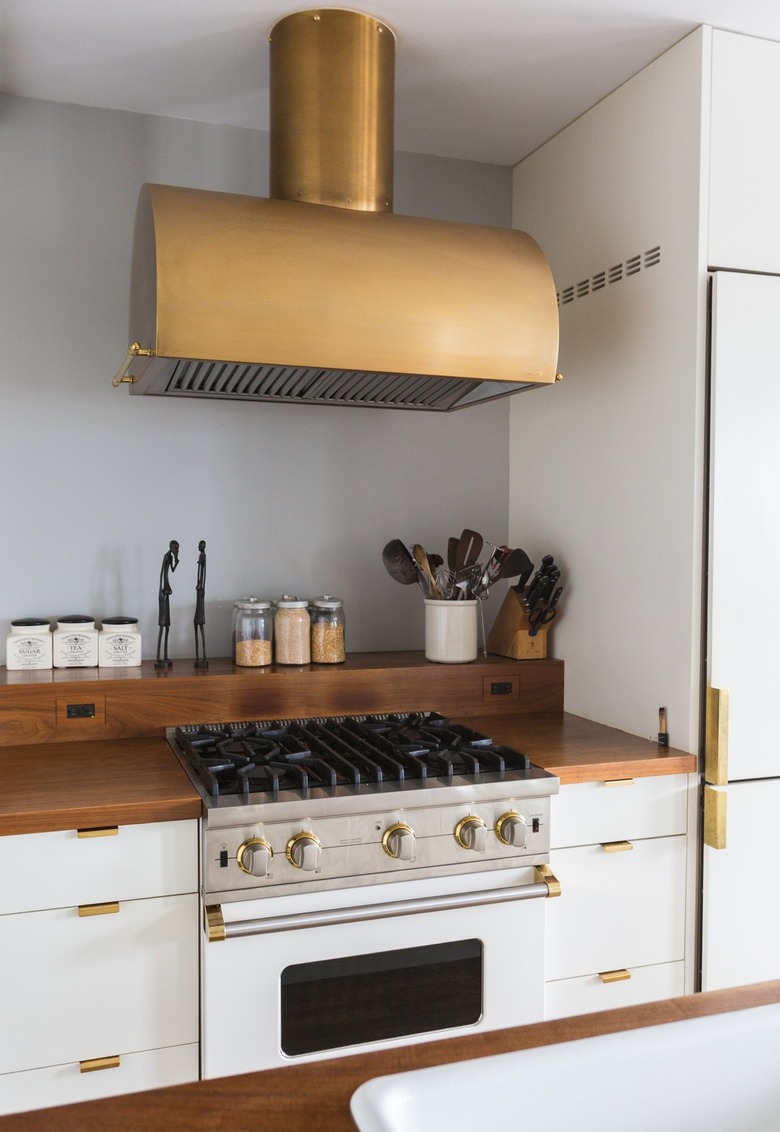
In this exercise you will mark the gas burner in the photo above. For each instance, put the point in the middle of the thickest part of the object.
(275, 757)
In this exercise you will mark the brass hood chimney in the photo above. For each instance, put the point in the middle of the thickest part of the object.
(321, 294)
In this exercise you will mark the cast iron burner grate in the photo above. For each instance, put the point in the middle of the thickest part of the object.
(298, 755)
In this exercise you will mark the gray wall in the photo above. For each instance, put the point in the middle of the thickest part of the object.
(294, 499)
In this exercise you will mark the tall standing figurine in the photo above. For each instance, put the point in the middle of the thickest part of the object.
(199, 620)
(169, 563)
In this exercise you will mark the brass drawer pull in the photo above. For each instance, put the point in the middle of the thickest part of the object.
(619, 782)
(95, 1063)
(614, 976)
(616, 846)
(99, 909)
(99, 831)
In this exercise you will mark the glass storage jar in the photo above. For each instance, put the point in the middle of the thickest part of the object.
(119, 643)
(28, 645)
(292, 631)
(75, 642)
(253, 629)
(327, 630)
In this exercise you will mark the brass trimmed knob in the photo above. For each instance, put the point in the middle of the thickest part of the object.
(254, 857)
(471, 833)
(511, 829)
(398, 841)
(303, 852)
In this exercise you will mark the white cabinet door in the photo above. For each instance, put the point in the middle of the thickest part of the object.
(744, 162)
(618, 909)
(744, 628)
(77, 987)
(741, 910)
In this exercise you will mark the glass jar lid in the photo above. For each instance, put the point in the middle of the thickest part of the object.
(327, 602)
(251, 603)
(287, 602)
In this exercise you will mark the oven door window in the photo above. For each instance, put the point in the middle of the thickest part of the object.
(334, 1003)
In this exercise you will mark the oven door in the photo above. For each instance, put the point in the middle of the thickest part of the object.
(298, 978)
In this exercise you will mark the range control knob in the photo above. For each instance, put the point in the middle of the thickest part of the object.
(398, 841)
(471, 833)
(303, 852)
(254, 857)
(511, 829)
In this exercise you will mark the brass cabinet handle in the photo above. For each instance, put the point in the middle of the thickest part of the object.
(91, 1065)
(618, 976)
(619, 782)
(99, 831)
(616, 846)
(99, 909)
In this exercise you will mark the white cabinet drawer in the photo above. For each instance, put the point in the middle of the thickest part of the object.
(617, 909)
(77, 987)
(54, 870)
(66, 1084)
(587, 812)
(589, 993)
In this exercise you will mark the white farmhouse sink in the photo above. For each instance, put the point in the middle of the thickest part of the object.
(720, 1073)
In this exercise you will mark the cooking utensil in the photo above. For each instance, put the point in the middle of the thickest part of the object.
(469, 549)
(399, 563)
(452, 550)
(543, 614)
(516, 562)
(429, 585)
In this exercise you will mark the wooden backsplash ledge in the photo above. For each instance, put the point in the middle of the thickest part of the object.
(110, 703)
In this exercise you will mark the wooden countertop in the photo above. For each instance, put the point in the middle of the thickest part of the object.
(55, 786)
(84, 785)
(315, 1097)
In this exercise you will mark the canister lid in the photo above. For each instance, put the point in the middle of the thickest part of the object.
(119, 621)
(76, 619)
(327, 602)
(287, 602)
(251, 603)
(30, 623)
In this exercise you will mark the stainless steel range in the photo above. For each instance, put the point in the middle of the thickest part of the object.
(367, 880)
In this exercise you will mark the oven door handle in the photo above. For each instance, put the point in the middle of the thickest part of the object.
(217, 929)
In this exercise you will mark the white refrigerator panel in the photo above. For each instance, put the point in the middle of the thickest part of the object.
(741, 910)
(744, 614)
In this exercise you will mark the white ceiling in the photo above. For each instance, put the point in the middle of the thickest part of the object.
(487, 80)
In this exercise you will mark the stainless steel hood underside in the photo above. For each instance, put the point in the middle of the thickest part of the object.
(321, 295)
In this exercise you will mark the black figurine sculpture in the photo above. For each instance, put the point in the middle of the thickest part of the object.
(169, 563)
(199, 621)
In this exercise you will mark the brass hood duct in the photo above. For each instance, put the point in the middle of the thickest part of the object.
(321, 294)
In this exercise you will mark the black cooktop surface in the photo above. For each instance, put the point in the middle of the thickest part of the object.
(299, 755)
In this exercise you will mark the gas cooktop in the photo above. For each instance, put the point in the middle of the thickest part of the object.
(264, 761)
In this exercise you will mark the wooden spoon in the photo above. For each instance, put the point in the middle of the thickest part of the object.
(421, 558)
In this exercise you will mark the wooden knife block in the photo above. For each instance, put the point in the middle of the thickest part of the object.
(510, 635)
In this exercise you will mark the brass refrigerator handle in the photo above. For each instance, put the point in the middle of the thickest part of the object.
(217, 930)
(715, 806)
(716, 741)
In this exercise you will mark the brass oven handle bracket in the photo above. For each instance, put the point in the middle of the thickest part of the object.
(545, 875)
(122, 377)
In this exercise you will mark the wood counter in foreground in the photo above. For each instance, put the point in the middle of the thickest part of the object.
(315, 1097)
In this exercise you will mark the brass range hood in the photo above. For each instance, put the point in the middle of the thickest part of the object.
(322, 295)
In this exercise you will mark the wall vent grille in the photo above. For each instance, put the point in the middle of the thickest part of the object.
(614, 274)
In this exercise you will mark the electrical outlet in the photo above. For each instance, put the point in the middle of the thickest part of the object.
(80, 711)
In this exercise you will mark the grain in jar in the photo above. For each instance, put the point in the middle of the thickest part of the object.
(327, 630)
(252, 632)
(292, 631)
